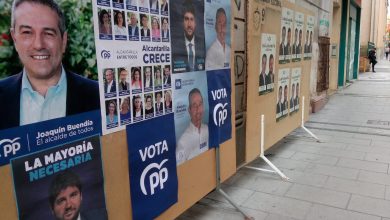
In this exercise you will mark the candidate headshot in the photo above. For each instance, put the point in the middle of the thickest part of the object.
(218, 54)
(119, 23)
(39, 33)
(123, 84)
(145, 31)
(282, 43)
(263, 78)
(195, 138)
(188, 52)
(105, 22)
(66, 197)
(133, 26)
(109, 80)
(112, 113)
(165, 29)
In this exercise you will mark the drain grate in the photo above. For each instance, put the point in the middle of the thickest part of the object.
(378, 122)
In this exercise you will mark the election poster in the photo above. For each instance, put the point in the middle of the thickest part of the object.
(282, 96)
(298, 34)
(188, 35)
(47, 100)
(152, 166)
(191, 109)
(266, 76)
(310, 22)
(217, 34)
(133, 52)
(294, 94)
(64, 182)
(220, 110)
(286, 35)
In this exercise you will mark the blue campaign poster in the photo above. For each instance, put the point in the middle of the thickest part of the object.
(152, 166)
(22, 140)
(219, 88)
(69, 174)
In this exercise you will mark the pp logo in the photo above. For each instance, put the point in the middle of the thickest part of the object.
(220, 114)
(157, 177)
(10, 146)
(106, 54)
(178, 84)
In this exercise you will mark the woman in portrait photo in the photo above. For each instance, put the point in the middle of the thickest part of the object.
(104, 23)
(155, 28)
(157, 77)
(112, 116)
(149, 110)
(119, 23)
(136, 82)
(168, 100)
(125, 109)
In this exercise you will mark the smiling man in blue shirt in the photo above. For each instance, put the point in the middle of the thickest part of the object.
(43, 90)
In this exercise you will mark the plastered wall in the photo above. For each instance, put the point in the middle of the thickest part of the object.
(266, 104)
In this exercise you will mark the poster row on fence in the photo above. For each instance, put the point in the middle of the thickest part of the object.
(292, 47)
(288, 87)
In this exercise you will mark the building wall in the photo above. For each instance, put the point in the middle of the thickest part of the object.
(335, 40)
(373, 25)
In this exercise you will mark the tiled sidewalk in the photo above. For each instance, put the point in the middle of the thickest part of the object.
(346, 177)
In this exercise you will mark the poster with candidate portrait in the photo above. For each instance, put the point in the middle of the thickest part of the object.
(63, 182)
(282, 95)
(297, 48)
(39, 103)
(188, 35)
(285, 46)
(295, 88)
(152, 166)
(191, 109)
(308, 49)
(134, 64)
(267, 54)
(217, 34)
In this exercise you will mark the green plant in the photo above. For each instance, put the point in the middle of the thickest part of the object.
(80, 54)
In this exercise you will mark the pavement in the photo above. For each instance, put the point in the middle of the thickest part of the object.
(346, 176)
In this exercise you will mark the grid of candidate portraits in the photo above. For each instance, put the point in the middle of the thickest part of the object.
(287, 100)
(292, 31)
(133, 20)
(133, 94)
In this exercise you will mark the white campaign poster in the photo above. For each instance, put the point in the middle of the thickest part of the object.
(267, 58)
(294, 91)
(309, 37)
(286, 35)
(282, 95)
(133, 55)
(297, 48)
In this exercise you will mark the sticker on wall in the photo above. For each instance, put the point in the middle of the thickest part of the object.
(309, 37)
(294, 92)
(297, 48)
(282, 95)
(286, 35)
(266, 75)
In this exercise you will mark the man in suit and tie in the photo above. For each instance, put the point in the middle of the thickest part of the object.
(292, 98)
(109, 84)
(188, 52)
(285, 100)
(287, 48)
(263, 76)
(296, 101)
(159, 104)
(295, 44)
(133, 26)
(281, 46)
(165, 29)
(167, 75)
(124, 85)
(299, 46)
(279, 105)
(43, 90)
